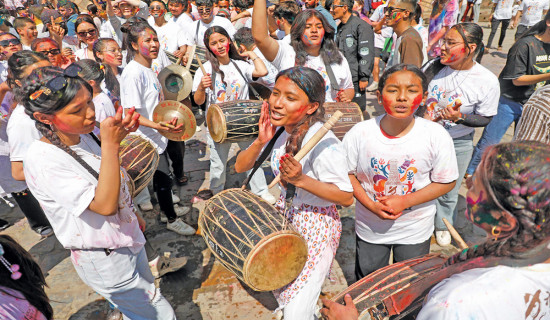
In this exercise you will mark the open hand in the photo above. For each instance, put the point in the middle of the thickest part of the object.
(335, 311)
(266, 129)
(114, 129)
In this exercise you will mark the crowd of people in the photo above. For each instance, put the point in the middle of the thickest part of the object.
(65, 69)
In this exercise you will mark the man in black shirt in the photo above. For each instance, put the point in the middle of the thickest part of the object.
(355, 39)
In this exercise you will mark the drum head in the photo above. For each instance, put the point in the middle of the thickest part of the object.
(275, 261)
(215, 120)
(176, 82)
(167, 110)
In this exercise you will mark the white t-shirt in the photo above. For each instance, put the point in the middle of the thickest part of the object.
(235, 88)
(491, 293)
(185, 22)
(503, 10)
(140, 88)
(198, 37)
(3, 70)
(82, 53)
(171, 36)
(22, 133)
(399, 166)
(477, 89)
(287, 39)
(65, 189)
(104, 108)
(322, 163)
(377, 15)
(107, 31)
(7, 182)
(161, 62)
(286, 57)
(269, 79)
(532, 11)
(423, 32)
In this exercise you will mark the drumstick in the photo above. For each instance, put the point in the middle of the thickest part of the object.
(313, 141)
(461, 244)
(167, 125)
(200, 64)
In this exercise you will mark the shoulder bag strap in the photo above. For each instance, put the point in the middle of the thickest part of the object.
(250, 88)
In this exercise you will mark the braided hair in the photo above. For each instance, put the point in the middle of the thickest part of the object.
(330, 54)
(32, 282)
(53, 103)
(313, 85)
(17, 65)
(210, 56)
(517, 178)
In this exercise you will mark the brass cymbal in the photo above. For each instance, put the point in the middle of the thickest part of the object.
(176, 82)
(168, 109)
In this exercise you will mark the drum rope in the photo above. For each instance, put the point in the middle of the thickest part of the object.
(225, 249)
(233, 217)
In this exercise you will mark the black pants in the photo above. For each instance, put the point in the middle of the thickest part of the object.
(494, 27)
(176, 152)
(162, 183)
(521, 29)
(31, 209)
(360, 97)
(370, 257)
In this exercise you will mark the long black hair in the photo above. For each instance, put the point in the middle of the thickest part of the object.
(210, 56)
(403, 67)
(111, 82)
(329, 50)
(313, 85)
(516, 177)
(471, 33)
(91, 70)
(17, 65)
(131, 29)
(52, 103)
(32, 282)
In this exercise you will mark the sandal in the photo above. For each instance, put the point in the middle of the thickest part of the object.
(182, 181)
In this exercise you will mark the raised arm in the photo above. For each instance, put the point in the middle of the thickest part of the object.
(267, 45)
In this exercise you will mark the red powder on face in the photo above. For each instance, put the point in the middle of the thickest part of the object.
(416, 102)
(387, 102)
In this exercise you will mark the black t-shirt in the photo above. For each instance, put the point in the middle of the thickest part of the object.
(529, 56)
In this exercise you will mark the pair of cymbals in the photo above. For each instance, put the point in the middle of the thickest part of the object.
(167, 110)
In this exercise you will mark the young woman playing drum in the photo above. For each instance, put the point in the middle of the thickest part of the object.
(397, 173)
(226, 80)
(141, 89)
(312, 45)
(85, 195)
(321, 181)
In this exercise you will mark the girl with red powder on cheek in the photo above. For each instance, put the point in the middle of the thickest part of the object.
(226, 80)
(397, 173)
(312, 45)
(462, 95)
(320, 180)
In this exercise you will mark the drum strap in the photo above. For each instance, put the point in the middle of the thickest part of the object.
(250, 88)
(197, 32)
(264, 155)
(332, 78)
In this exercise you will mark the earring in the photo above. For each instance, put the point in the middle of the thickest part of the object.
(495, 232)
(13, 268)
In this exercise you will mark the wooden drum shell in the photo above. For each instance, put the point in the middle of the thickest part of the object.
(352, 116)
(140, 159)
(252, 239)
(234, 121)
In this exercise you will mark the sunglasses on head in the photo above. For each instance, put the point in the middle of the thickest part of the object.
(56, 84)
(90, 32)
(10, 42)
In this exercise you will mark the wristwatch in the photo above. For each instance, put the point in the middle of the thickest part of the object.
(460, 119)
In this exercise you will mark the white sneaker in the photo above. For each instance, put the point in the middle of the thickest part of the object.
(165, 264)
(372, 87)
(443, 238)
(267, 196)
(146, 206)
(175, 198)
(180, 227)
(180, 211)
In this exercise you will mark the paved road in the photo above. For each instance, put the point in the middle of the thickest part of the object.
(203, 289)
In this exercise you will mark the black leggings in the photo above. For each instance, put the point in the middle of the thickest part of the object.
(162, 184)
(176, 152)
(31, 209)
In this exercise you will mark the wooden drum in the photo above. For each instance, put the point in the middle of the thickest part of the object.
(352, 115)
(140, 159)
(201, 52)
(234, 120)
(252, 239)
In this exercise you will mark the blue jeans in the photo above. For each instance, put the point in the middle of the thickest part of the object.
(508, 111)
(446, 204)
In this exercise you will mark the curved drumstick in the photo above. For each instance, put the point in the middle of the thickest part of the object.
(312, 142)
(461, 244)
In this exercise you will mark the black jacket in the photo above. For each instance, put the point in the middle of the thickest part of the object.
(355, 40)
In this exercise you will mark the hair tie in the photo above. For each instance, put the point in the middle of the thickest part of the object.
(12, 268)
(101, 67)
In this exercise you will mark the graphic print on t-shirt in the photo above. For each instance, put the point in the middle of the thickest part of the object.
(439, 99)
(542, 65)
(390, 178)
(223, 94)
(537, 305)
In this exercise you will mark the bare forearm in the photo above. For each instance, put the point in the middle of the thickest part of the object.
(267, 45)
(105, 201)
(17, 170)
(359, 193)
(327, 191)
(246, 158)
(199, 96)
(432, 191)
(260, 69)
(530, 79)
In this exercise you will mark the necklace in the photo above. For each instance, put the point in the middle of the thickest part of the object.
(453, 80)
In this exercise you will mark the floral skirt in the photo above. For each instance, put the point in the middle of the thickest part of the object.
(320, 227)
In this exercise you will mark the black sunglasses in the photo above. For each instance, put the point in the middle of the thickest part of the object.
(56, 84)
(10, 42)
(53, 52)
(20, 8)
(389, 10)
(90, 32)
